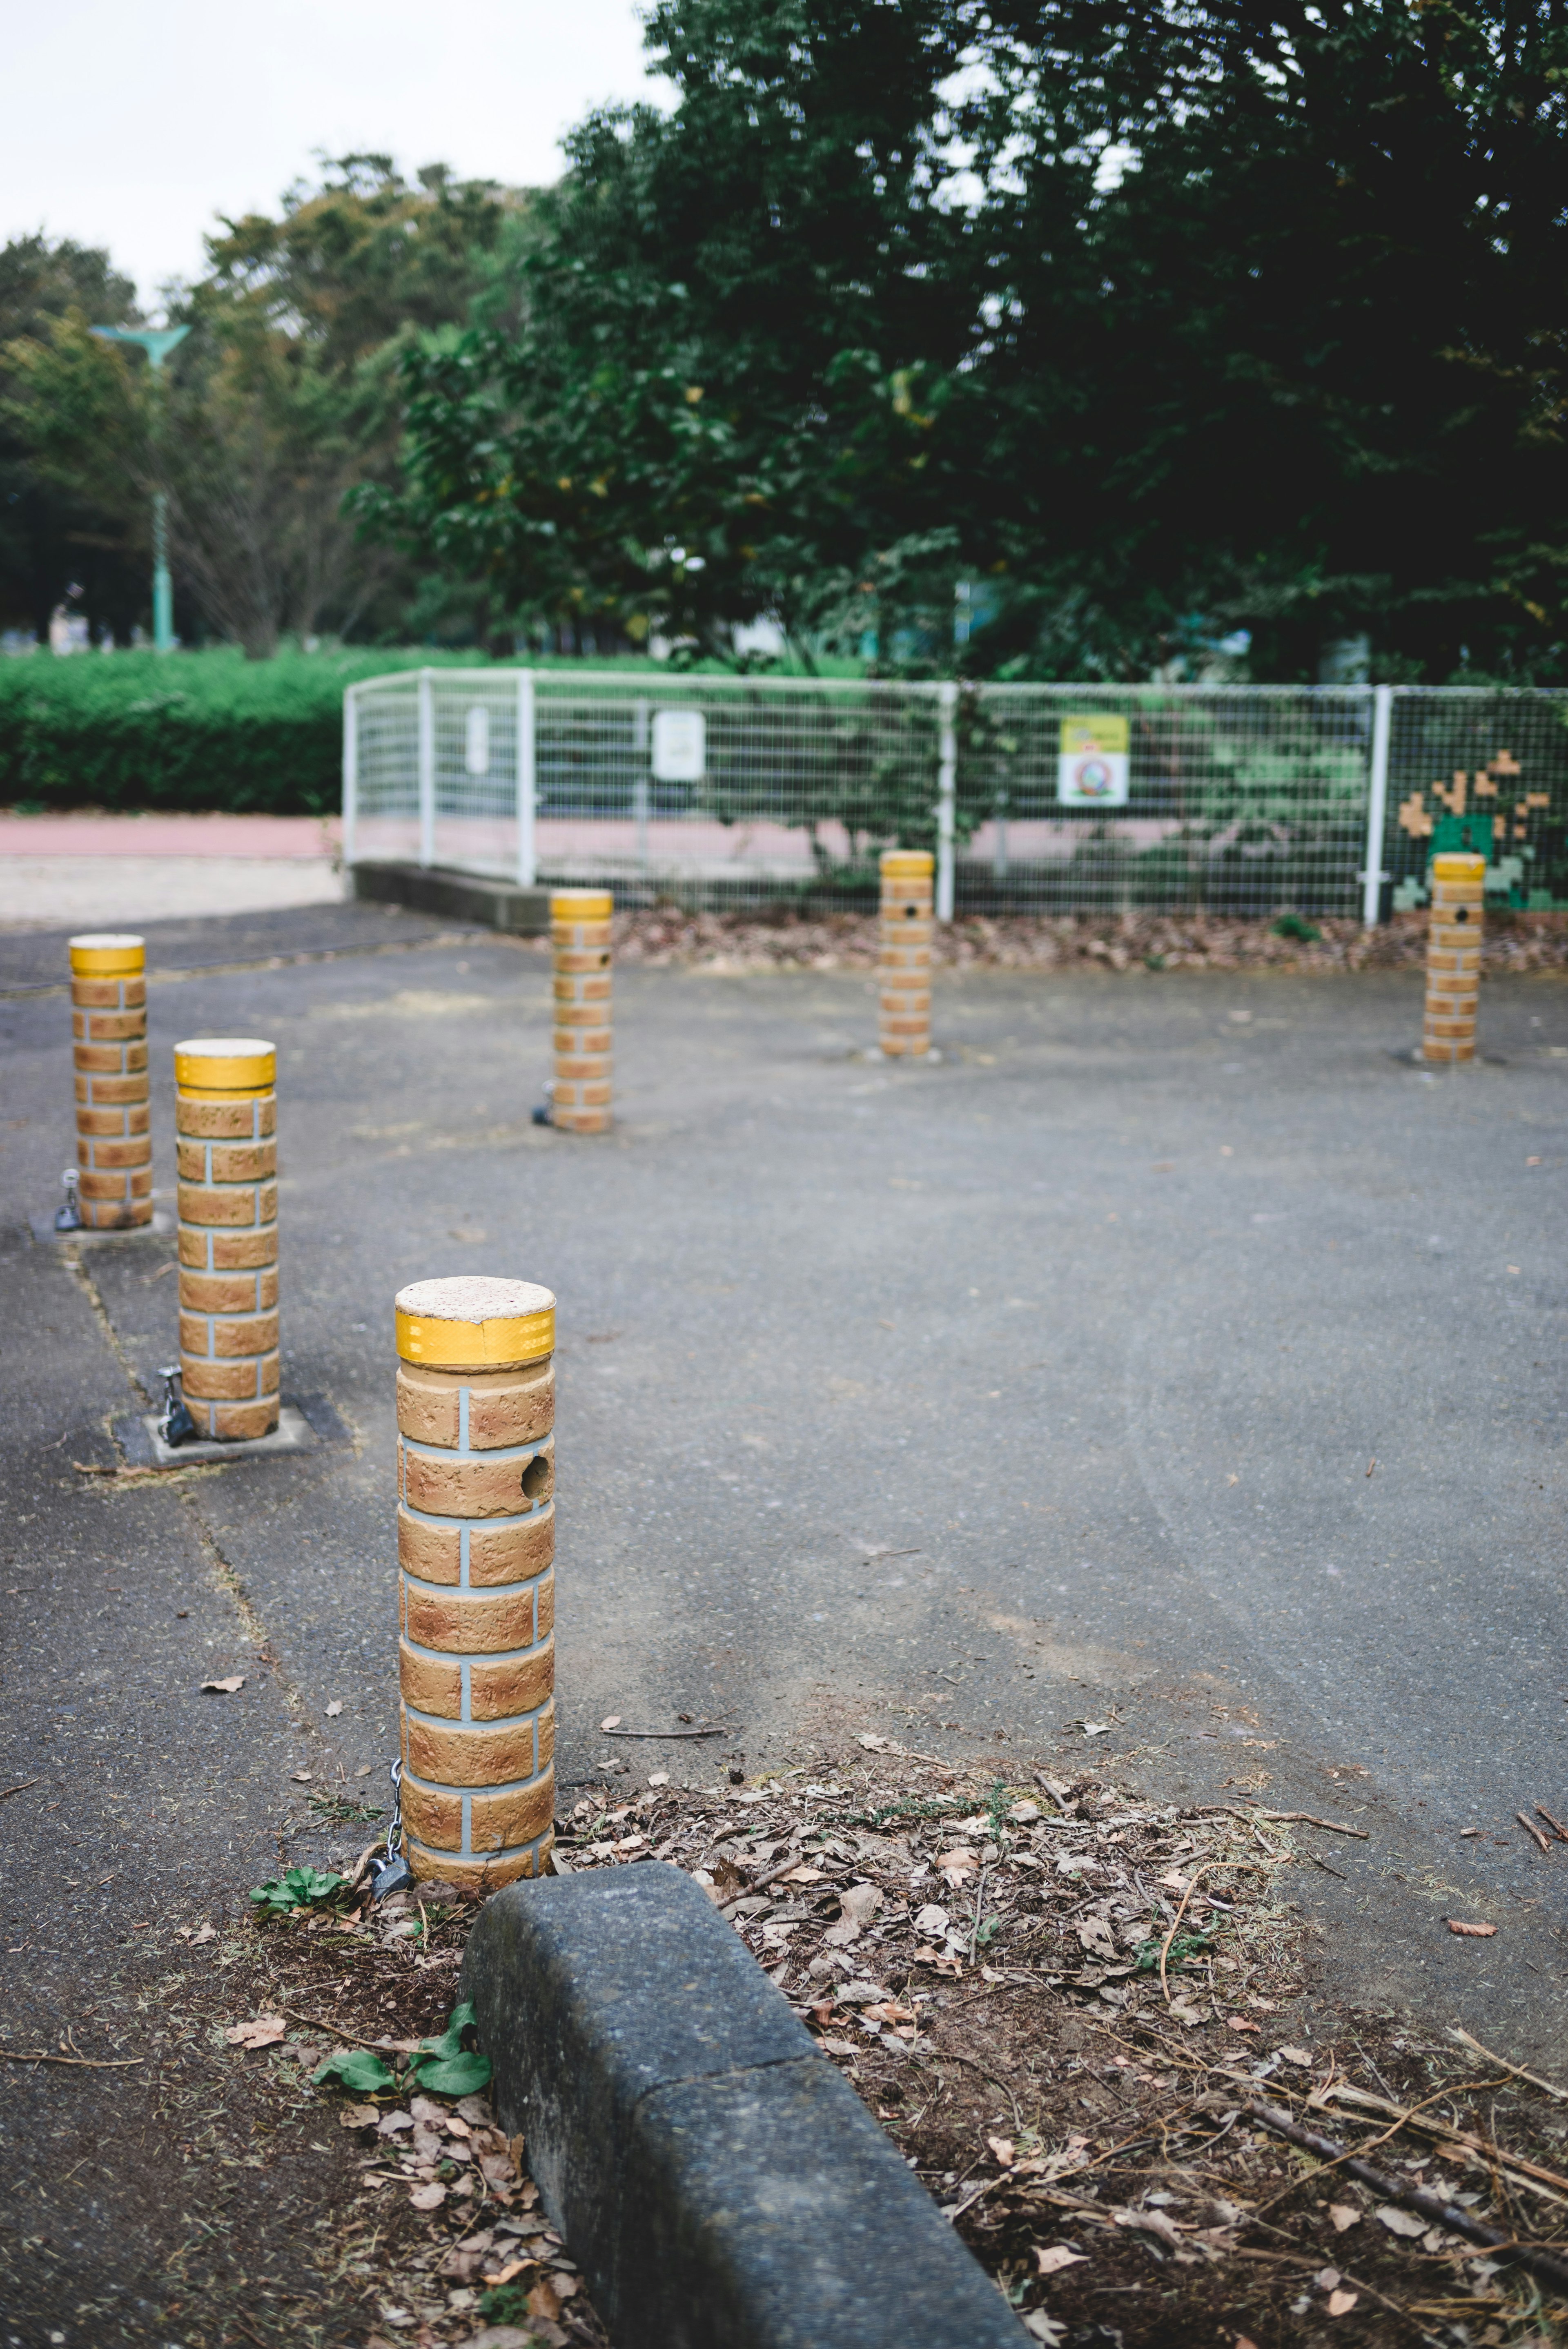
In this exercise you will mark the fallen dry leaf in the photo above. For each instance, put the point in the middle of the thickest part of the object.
(264, 2031)
(1051, 2258)
(1342, 2216)
(1004, 2149)
(1299, 2056)
(495, 2276)
(931, 1919)
(1341, 2303)
(611, 1721)
(1401, 2223)
(358, 2116)
(1473, 1932)
(1151, 2222)
(872, 1744)
(302, 1778)
(428, 2197)
(332, 1709)
(235, 1682)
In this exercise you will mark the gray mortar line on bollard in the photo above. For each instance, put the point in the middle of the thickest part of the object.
(716, 2181)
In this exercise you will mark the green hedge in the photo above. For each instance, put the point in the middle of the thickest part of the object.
(199, 730)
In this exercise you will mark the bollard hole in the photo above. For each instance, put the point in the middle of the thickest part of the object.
(536, 1476)
(1462, 914)
(910, 912)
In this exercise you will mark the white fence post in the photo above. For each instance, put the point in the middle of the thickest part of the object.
(640, 782)
(526, 780)
(946, 798)
(426, 768)
(1377, 804)
(350, 771)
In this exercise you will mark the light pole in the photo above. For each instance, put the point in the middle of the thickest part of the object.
(156, 342)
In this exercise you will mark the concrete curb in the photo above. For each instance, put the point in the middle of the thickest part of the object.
(503, 904)
(715, 2180)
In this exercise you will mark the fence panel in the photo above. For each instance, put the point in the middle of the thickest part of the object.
(1482, 770)
(1236, 801)
(1246, 800)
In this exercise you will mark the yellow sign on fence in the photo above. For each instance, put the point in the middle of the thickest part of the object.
(1093, 769)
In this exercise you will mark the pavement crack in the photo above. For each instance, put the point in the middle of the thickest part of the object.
(223, 1575)
(72, 1257)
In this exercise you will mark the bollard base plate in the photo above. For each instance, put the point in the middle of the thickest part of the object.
(298, 1430)
(43, 1230)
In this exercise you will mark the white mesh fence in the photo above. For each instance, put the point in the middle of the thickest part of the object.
(1253, 800)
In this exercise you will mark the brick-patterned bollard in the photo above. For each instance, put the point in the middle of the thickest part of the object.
(904, 1024)
(580, 935)
(476, 1542)
(1453, 957)
(225, 1118)
(114, 1139)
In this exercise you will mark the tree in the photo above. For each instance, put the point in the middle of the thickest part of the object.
(285, 396)
(55, 535)
(1160, 321)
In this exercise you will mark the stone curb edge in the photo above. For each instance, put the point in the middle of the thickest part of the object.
(715, 2180)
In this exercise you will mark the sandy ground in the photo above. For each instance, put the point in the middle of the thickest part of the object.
(44, 892)
(118, 871)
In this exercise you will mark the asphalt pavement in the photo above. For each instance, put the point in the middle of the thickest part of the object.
(1175, 1356)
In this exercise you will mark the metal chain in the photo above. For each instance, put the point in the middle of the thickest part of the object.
(394, 1830)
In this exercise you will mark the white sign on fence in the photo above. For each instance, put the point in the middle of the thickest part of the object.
(680, 746)
(476, 740)
(1092, 768)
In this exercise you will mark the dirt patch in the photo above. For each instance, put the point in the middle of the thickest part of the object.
(1138, 943)
(1072, 2008)
(1088, 2019)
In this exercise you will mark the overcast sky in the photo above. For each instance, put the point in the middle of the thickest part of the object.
(131, 126)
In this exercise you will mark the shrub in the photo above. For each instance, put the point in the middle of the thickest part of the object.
(194, 730)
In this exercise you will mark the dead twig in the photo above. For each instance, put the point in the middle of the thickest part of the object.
(91, 2063)
(20, 1789)
(1311, 1818)
(1535, 1833)
(1170, 1936)
(1454, 2139)
(1518, 2071)
(333, 2030)
(721, 1732)
(1556, 1826)
(1534, 2256)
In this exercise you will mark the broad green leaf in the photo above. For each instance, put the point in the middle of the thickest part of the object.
(356, 2068)
(444, 2065)
(450, 2076)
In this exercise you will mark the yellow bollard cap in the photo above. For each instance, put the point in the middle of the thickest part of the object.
(475, 1323)
(107, 954)
(908, 863)
(1459, 864)
(228, 1067)
(580, 905)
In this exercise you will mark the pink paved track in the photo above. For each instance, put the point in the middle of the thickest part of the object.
(169, 835)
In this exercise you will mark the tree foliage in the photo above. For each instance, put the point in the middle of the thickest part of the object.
(283, 398)
(1153, 321)
(54, 534)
